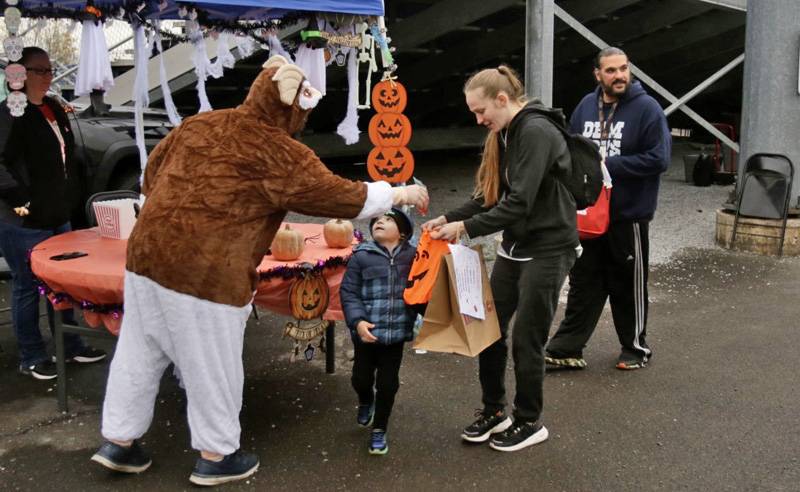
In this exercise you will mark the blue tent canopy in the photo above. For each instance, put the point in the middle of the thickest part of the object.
(223, 9)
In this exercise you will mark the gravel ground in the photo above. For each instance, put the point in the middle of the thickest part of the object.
(685, 217)
(686, 214)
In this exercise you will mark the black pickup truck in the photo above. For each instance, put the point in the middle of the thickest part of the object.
(106, 145)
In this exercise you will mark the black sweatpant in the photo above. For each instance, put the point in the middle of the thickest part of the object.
(614, 267)
(376, 378)
(530, 289)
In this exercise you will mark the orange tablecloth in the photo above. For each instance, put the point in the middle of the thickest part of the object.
(98, 277)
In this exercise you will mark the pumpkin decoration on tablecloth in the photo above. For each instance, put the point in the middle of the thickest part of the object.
(288, 244)
(389, 96)
(391, 164)
(389, 130)
(338, 233)
(308, 296)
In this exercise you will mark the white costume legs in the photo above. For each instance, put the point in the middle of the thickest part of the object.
(204, 339)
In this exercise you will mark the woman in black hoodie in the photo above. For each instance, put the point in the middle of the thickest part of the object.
(39, 187)
(518, 191)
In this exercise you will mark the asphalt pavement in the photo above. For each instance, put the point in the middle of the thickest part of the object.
(716, 409)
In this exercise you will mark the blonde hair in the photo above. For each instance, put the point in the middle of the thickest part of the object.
(492, 81)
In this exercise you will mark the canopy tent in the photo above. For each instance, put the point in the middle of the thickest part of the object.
(254, 10)
(251, 18)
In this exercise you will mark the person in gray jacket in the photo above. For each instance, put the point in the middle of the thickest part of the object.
(518, 191)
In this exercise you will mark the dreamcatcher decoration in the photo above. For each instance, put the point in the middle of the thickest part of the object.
(308, 300)
(15, 72)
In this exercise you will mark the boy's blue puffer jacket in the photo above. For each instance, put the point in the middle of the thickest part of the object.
(372, 290)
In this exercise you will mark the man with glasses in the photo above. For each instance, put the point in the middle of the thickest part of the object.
(39, 188)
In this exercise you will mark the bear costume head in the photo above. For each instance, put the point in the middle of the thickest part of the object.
(282, 95)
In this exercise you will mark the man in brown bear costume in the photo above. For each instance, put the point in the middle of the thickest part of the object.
(217, 188)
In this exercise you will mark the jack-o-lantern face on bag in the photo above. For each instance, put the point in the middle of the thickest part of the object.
(389, 96)
(390, 164)
(389, 130)
(308, 296)
(425, 269)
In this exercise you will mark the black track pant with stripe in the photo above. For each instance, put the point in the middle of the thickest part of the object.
(612, 267)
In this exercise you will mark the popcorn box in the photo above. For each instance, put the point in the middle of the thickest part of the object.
(115, 217)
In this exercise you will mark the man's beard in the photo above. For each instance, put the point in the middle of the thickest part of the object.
(610, 91)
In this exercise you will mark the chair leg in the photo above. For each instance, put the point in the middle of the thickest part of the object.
(785, 218)
(51, 315)
(738, 206)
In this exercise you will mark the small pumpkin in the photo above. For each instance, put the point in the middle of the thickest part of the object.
(390, 164)
(309, 296)
(287, 244)
(338, 233)
(389, 96)
(389, 130)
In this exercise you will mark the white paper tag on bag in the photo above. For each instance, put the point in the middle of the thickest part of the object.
(469, 285)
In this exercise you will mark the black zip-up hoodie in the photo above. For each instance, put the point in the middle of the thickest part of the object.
(535, 211)
(32, 169)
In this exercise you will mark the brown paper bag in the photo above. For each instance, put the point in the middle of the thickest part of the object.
(445, 329)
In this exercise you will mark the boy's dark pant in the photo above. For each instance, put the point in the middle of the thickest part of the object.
(531, 290)
(612, 267)
(377, 366)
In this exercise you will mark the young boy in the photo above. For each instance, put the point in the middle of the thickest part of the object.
(379, 321)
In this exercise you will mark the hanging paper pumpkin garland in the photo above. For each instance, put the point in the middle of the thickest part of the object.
(389, 96)
(392, 164)
(390, 131)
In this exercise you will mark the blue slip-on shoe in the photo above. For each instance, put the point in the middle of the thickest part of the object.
(377, 442)
(365, 414)
(235, 466)
(132, 459)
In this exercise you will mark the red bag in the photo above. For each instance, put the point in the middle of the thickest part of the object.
(593, 221)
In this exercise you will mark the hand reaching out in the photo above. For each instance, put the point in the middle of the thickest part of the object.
(362, 328)
(448, 232)
(434, 223)
(411, 195)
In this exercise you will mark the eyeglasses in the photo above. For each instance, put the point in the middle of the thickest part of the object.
(41, 71)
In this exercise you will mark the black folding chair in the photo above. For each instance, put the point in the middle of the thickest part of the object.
(106, 195)
(765, 191)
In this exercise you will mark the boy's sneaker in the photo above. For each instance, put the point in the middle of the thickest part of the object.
(43, 370)
(85, 355)
(486, 425)
(565, 362)
(519, 435)
(365, 415)
(132, 459)
(235, 466)
(377, 442)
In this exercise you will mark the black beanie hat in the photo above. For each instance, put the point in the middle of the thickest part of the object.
(400, 218)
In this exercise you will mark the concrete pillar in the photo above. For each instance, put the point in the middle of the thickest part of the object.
(771, 99)
(539, 50)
